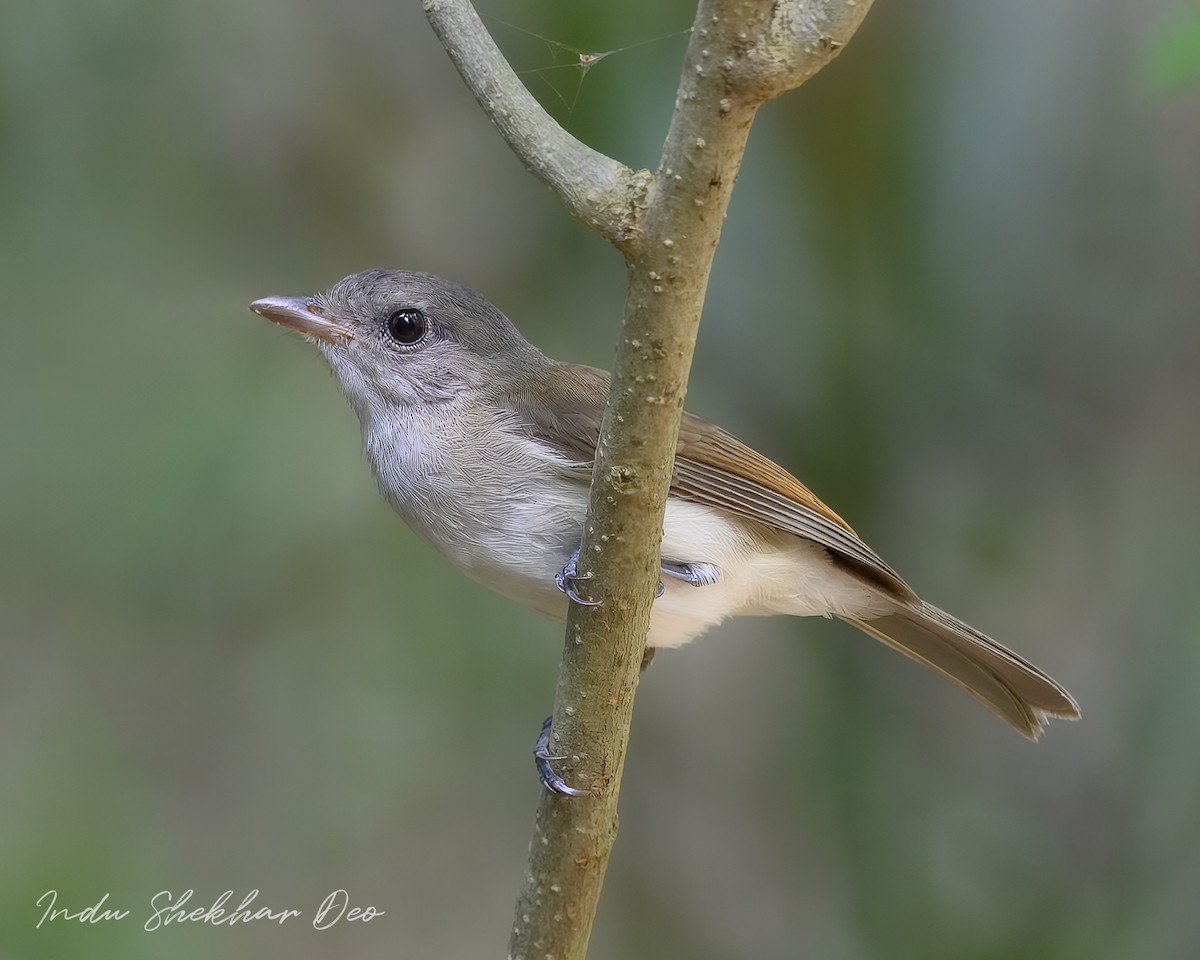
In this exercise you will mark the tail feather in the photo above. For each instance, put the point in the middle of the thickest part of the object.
(1007, 684)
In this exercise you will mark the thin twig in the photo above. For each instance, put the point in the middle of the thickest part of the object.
(593, 187)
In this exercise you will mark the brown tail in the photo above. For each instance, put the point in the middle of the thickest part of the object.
(1008, 685)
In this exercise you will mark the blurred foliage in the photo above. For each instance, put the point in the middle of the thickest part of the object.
(1173, 62)
(957, 293)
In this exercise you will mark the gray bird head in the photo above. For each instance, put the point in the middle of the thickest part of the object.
(396, 338)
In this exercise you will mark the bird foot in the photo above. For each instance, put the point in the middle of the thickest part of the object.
(543, 759)
(568, 579)
(697, 574)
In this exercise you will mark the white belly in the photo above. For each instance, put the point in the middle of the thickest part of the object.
(762, 573)
(513, 531)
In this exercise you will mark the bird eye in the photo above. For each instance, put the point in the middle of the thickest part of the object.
(407, 325)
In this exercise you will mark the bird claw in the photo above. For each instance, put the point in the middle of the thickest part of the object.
(697, 574)
(543, 759)
(567, 580)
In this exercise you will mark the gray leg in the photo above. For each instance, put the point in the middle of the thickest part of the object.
(568, 580)
(697, 574)
(546, 773)
(543, 759)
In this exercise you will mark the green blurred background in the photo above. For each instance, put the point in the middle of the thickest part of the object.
(957, 293)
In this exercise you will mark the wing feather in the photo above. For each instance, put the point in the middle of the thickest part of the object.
(712, 467)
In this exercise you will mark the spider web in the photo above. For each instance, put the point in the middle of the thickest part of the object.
(563, 77)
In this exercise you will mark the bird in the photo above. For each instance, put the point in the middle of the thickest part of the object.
(484, 447)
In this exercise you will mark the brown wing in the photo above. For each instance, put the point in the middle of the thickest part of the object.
(715, 468)
(712, 467)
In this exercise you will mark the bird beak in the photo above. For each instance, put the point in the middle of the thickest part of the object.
(302, 314)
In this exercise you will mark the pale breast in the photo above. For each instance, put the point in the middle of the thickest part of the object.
(482, 498)
(508, 513)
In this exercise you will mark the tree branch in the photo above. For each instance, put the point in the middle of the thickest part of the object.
(799, 38)
(594, 188)
(741, 53)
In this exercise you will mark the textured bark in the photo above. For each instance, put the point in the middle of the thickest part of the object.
(666, 224)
